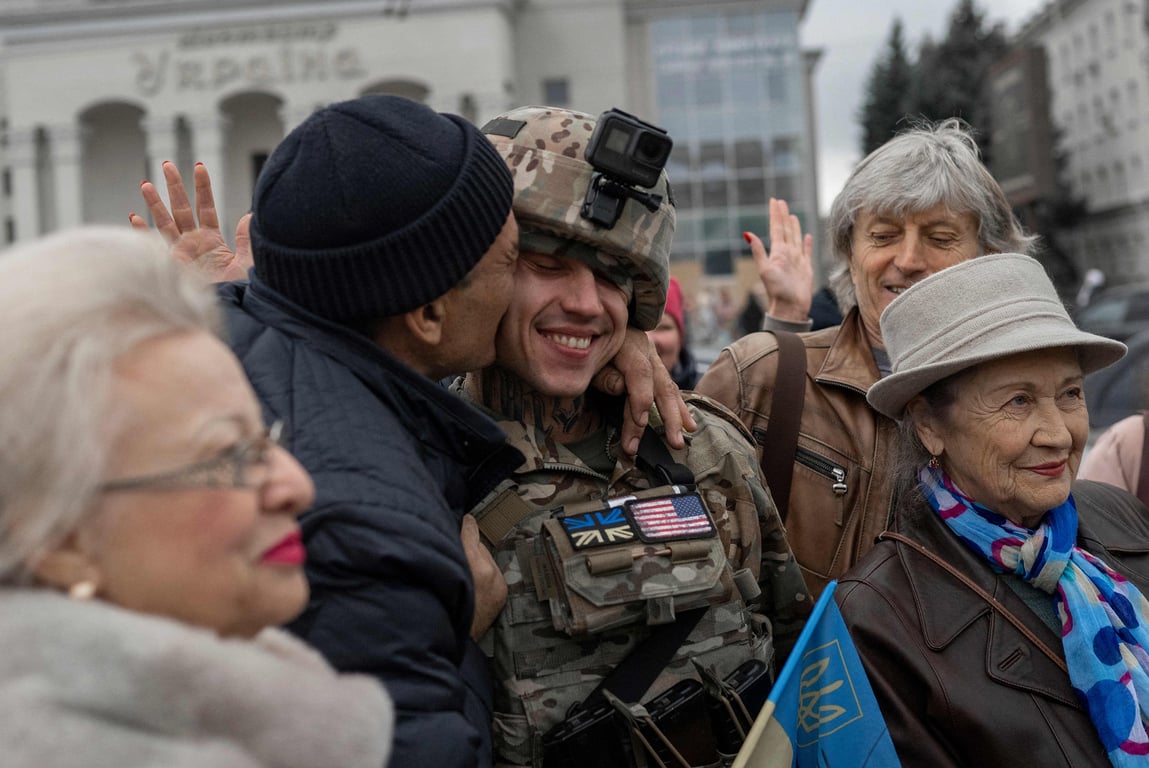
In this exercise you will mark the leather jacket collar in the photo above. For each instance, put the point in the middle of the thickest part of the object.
(849, 361)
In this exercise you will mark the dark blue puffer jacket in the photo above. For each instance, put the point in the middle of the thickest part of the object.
(396, 460)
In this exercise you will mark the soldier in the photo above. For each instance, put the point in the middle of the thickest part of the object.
(603, 553)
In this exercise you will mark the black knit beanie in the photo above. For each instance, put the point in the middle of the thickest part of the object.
(376, 206)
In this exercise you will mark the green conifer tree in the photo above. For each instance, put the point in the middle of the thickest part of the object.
(951, 77)
(887, 92)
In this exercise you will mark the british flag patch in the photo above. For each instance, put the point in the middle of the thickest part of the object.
(596, 529)
(671, 518)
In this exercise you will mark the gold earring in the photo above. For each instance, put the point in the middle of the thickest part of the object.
(82, 590)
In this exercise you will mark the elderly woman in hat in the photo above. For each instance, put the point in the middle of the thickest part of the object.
(148, 532)
(1002, 619)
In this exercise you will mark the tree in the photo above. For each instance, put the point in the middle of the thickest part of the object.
(887, 92)
(951, 77)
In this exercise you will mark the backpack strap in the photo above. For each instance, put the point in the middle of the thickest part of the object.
(1143, 479)
(655, 458)
(780, 443)
(501, 515)
(633, 676)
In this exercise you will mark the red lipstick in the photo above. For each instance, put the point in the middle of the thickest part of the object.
(287, 551)
(1053, 469)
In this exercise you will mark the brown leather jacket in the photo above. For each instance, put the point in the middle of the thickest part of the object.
(841, 489)
(957, 683)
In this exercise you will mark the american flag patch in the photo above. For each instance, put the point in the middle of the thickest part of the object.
(670, 518)
(596, 529)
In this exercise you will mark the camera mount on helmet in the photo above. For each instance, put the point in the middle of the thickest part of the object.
(625, 152)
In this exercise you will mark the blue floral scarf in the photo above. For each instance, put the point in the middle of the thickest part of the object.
(1104, 618)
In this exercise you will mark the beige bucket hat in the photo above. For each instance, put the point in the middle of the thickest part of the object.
(983, 309)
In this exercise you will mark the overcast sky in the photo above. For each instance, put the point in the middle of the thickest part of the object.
(851, 34)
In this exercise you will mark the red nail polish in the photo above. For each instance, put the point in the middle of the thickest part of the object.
(198, 163)
(746, 237)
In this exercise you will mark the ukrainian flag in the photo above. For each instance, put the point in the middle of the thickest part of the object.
(821, 712)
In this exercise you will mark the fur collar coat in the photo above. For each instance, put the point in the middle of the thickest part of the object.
(89, 684)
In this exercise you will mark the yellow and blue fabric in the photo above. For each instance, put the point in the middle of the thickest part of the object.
(821, 710)
(1103, 617)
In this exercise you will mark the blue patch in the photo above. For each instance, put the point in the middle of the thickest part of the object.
(1112, 709)
(1107, 646)
(1123, 608)
(598, 529)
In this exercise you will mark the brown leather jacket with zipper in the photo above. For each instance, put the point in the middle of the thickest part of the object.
(957, 682)
(841, 488)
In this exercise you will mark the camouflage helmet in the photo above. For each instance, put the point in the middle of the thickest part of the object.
(544, 148)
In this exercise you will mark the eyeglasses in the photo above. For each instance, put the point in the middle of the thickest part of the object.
(231, 468)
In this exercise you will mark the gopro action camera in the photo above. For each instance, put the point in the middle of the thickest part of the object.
(626, 153)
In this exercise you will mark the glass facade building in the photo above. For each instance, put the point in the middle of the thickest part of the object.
(729, 87)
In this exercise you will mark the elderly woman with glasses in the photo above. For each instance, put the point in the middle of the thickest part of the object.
(1002, 618)
(147, 532)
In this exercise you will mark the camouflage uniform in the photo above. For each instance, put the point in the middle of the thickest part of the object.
(541, 671)
(567, 623)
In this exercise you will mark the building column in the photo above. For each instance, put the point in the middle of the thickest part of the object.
(67, 174)
(208, 148)
(160, 140)
(25, 184)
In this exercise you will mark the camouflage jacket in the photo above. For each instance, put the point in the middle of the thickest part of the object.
(542, 670)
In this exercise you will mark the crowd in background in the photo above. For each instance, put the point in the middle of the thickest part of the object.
(423, 471)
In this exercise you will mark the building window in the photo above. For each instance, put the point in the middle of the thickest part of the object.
(6, 182)
(9, 230)
(258, 159)
(556, 92)
(719, 261)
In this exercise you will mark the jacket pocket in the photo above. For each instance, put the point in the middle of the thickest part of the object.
(834, 473)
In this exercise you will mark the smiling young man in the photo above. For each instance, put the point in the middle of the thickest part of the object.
(709, 519)
(921, 202)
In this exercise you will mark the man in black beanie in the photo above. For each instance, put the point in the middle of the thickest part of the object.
(384, 247)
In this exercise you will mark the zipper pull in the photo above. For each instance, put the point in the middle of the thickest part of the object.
(839, 486)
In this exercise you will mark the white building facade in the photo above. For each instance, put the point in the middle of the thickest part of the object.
(96, 94)
(1098, 76)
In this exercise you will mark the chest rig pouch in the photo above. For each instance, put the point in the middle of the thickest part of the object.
(643, 558)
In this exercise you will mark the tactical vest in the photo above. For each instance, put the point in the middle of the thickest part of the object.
(592, 564)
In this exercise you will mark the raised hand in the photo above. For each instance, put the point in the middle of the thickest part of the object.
(787, 271)
(201, 244)
(638, 372)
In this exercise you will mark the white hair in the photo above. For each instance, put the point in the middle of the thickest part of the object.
(70, 305)
(930, 164)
